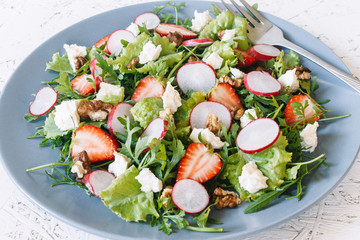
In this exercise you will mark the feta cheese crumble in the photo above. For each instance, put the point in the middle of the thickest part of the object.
(134, 28)
(66, 115)
(200, 20)
(214, 60)
(171, 98)
(149, 182)
(236, 73)
(74, 51)
(120, 164)
(150, 52)
(251, 178)
(308, 137)
(207, 136)
(289, 81)
(107, 89)
(228, 34)
(245, 120)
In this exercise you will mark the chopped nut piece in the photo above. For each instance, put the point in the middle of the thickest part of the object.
(303, 73)
(96, 110)
(192, 59)
(220, 34)
(268, 70)
(165, 194)
(175, 37)
(79, 62)
(132, 63)
(212, 123)
(237, 113)
(226, 198)
(81, 166)
(165, 114)
(234, 82)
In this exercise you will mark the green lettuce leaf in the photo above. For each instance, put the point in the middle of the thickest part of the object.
(59, 64)
(64, 86)
(125, 198)
(51, 130)
(223, 49)
(182, 114)
(271, 162)
(112, 99)
(147, 110)
(161, 66)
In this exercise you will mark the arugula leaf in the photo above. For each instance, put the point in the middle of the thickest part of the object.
(64, 86)
(202, 218)
(59, 64)
(30, 118)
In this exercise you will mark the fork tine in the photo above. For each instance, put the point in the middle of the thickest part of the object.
(243, 12)
(254, 12)
(218, 7)
(229, 8)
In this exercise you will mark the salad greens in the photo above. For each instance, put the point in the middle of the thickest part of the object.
(282, 163)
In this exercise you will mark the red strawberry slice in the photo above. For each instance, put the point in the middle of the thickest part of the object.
(82, 85)
(98, 144)
(248, 59)
(225, 94)
(102, 42)
(199, 164)
(148, 87)
(291, 117)
(164, 29)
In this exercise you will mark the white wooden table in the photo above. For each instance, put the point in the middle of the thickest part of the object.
(24, 25)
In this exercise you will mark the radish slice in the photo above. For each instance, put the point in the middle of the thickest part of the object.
(196, 76)
(190, 196)
(114, 44)
(44, 100)
(98, 181)
(151, 20)
(120, 110)
(200, 112)
(262, 84)
(258, 135)
(195, 42)
(155, 129)
(263, 52)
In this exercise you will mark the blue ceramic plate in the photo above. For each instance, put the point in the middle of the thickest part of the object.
(340, 139)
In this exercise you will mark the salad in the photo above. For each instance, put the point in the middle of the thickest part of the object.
(170, 118)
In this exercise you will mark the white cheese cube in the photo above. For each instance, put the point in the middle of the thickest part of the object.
(208, 137)
(236, 73)
(289, 81)
(245, 120)
(171, 98)
(252, 179)
(214, 60)
(66, 115)
(228, 34)
(134, 28)
(200, 20)
(149, 182)
(107, 89)
(150, 52)
(74, 51)
(308, 137)
(120, 164)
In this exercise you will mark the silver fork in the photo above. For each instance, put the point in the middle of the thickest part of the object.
(262, 31)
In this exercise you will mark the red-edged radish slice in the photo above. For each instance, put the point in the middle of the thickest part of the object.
(164, 29)
(120, 110)
(263, 52)
(98, 181)
(200, 112)
(151, 20)
(258, 135)
(195, 42)
(44, 100)
(190, 196)
(155, 129)
(196, 76)
(262, 84)
(114, 44)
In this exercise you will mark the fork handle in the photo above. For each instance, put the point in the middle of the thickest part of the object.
(347, 78)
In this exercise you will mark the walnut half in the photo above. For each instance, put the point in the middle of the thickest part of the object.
(81, 166)
(165, 194)
(79, 62)
(226, 198)
(96, 110)
(234, 82)
(175, 37)
(212, 123)
(303, 73)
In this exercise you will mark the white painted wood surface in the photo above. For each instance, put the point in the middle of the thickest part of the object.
(24, 25)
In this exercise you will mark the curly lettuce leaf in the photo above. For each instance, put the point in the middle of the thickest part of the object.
(183, 113)
(147, 110)
(222, 48)
(51, 130)
(271, 162)
(125, 198)
(161, 66)
(59, 64)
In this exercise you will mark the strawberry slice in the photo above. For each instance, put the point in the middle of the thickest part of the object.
(82, 85)
(148, 87)
(225, 94)
(199, 164)
(98, 144)
(164, 29)
(291, 117)
(102, 42)
(248, 59)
